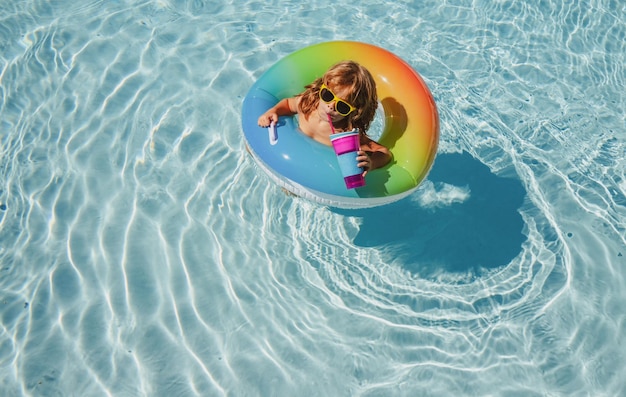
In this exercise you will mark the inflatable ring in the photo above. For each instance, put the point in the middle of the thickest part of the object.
(308, 168)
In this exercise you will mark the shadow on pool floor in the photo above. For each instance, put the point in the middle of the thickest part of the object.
(482, 231)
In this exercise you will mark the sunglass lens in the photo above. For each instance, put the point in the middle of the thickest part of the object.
(326, 95)
(342, 108)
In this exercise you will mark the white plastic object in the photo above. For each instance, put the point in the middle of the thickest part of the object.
(272, 133)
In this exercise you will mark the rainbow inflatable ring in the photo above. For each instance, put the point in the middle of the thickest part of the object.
(308, 168)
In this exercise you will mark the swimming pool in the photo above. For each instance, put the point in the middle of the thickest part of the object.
(143, 253)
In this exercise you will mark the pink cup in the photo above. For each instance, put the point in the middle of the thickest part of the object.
(346, 145)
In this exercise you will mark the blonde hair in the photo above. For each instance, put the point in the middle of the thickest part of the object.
(361, 88)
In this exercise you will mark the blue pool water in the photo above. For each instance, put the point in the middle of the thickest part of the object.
(143, 253)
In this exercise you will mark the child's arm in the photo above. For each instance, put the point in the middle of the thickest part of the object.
(285, 107)
(372, 154)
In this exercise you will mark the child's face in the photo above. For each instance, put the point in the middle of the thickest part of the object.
(329, 108)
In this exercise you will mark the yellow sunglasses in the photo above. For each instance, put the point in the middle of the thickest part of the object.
(342, 107)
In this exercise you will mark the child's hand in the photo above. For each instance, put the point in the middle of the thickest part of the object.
(363, 161)
(267, 118)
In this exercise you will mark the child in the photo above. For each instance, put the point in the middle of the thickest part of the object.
(345, 95)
